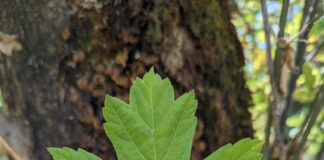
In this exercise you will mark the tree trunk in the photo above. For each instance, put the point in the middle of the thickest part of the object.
(74, 52)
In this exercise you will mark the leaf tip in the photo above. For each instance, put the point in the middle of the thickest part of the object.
(151, 70)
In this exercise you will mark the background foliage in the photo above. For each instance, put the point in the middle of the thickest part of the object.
(249, 24)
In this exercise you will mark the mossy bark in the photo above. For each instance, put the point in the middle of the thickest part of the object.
(74, 52)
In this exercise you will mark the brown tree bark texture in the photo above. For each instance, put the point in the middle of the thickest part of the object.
(76, 51)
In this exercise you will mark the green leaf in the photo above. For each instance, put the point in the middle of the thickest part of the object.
(70, 154)
(318, 27)
(295, 120)
(245, 149)
(153, 126)
(309, 77)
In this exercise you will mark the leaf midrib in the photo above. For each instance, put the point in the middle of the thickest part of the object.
(151, 104)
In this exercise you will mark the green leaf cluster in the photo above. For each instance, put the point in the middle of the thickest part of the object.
(309, 77)
(318, 27)
(155, 126)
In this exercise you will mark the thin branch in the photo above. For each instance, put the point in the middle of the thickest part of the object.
(274, 91)
(305, 13)
(267, 30)
(301, 31)
(299, 62)
(275, 74)
(267, 130)
(318, 104)
(282, 26)
(309, 57)
(283, 18)
(9, 151)
(313, 53)
(305, 123)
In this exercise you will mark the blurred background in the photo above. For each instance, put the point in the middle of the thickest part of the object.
(58, 60)
(248, 21)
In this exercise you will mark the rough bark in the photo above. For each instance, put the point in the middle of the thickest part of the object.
(76, 51)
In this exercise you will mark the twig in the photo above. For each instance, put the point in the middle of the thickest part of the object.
(313, 53)
(282, 25)
(267, 131)
(11, 153)
(299, 62)
(305, 123)
(301, 31)
(275, 78)
(305, 13)
(303, 26)
(268, 51)
(274, 91)
(318, 104)
(283, 18)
